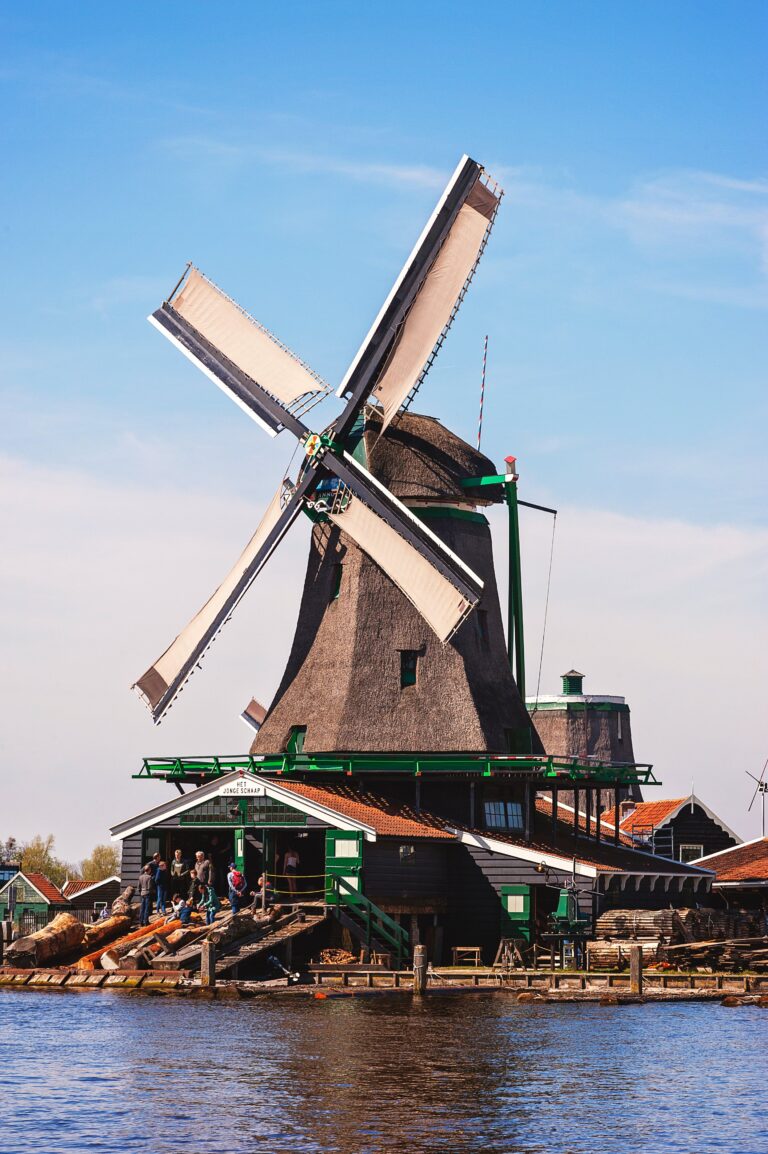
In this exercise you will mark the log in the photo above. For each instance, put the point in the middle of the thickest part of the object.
(615, 955)
(89, 961)
(61, 936)
(102, 932)
(236, 926)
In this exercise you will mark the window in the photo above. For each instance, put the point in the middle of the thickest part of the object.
(407, 854)
(481, 618)
(99, 905)
(515, 903)
(408, 663)
(345, 847)
(691, 852)
(338, 571)
(296, 739)
(503, 815)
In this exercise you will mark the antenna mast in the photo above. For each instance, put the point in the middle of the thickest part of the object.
(482, 394)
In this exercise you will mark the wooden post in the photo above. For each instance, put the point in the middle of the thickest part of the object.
(208, 964)
(616, 804)
(636, 970)
(420, 969)
(575, 812)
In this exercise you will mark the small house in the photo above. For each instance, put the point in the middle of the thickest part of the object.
(30, 900)
(683, 828)
(741, 874)
(89, 896)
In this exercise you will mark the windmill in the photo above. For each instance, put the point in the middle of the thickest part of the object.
(761, 788)
(354, 504)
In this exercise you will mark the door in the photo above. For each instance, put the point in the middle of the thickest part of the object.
(343, 859)
(516, 912)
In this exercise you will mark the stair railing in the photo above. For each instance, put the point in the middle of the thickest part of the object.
(373, 923)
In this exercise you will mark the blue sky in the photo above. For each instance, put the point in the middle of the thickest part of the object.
(293, 152)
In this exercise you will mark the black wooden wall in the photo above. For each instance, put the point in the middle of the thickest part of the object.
(698, 828)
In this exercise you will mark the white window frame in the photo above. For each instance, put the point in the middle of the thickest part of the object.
(690, 845)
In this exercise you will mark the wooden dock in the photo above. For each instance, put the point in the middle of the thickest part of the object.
(329, 981)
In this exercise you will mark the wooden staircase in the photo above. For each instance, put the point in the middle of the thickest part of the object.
(268, 939)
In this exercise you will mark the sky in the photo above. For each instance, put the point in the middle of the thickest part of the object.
(293, 152)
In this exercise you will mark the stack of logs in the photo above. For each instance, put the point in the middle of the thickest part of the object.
(688, 938)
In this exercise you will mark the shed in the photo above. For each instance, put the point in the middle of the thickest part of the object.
(37, 900)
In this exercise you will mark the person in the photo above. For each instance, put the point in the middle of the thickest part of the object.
(210, 904)
(145, 890)
(154, 863)
(236, 887)
(290, 867)
(179, 871)
(162, 882)
(194, 889)
(203, 871)
(103, 913)
(179, 910)
(259, 901)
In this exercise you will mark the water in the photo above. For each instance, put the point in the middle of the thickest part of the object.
(111, 1072)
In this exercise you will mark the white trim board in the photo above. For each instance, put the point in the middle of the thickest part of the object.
(215, 789)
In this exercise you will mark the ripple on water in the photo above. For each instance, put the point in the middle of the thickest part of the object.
(115, 1074)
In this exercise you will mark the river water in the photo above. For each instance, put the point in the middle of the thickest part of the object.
(129, 1074)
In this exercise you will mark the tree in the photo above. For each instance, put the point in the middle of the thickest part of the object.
(104, 862)
(37, 856)
(10, 850)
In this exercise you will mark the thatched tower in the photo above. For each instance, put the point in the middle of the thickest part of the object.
(365, 672)
(575, 724)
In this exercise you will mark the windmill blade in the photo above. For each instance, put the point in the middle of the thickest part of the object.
(239, 355)
(163, 680)
(414, 320)
(440, 585)
(761, 784)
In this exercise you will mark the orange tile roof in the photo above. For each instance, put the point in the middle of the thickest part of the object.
(647, 814)
(46, 887)
(743, 863)
(387, 818)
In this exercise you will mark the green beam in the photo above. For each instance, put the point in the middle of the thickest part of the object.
(515, 633)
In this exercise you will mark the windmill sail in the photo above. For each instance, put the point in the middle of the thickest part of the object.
(240, 355)
(411, 326)
(437, 301)
(162, 681)
(437, 599)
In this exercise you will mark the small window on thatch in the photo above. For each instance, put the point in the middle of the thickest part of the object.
(338, 571)
(481, 617)
(409, 659)
(296, 739)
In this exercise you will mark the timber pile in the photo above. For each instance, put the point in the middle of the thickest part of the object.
(731, 954)
(332, 957)
(673, 926)
(604, 955)
(60, 937)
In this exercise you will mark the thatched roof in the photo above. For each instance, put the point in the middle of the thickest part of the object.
(419, 457)
(343, 678)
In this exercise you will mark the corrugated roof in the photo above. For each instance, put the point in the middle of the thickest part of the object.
(46, 887)
(387, 818)
(647, 814)
(743, 863)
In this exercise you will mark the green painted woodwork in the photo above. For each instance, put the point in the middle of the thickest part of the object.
(567, 917)
(374, 925)
(240, 848)
(481, 482)
(296, 739)
(573, 683)
(409, 659)
(545, 771)
(242, 811)
(343, 859)
(428, 512)
(515, 634)
(516, 919)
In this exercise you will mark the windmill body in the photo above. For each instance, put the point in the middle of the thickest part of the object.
(366, 672)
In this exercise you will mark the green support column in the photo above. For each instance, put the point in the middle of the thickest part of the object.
(515, 638)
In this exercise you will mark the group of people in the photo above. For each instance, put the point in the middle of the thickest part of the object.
(186, 886)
